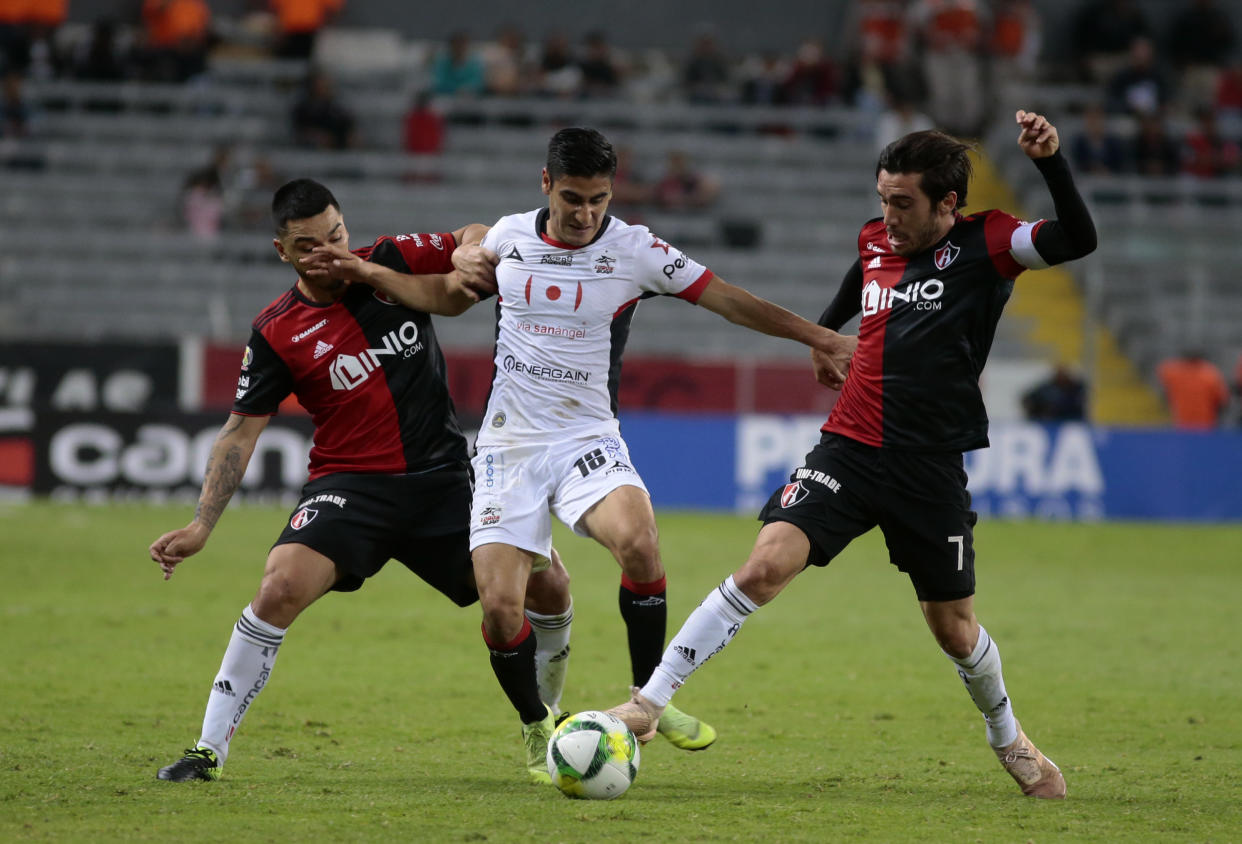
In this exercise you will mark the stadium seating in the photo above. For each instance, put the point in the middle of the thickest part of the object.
(105, 165)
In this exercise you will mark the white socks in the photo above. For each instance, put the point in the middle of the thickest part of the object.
(981, 672)
(551, 654)
(708, 629)
(247, 664)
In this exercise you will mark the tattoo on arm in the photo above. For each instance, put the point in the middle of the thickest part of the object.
(225, 468)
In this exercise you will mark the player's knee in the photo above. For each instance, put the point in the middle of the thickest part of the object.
(955, 641)
(548, 591)
(763, 577)
(279, 600)
(502, 622)
(638, 552)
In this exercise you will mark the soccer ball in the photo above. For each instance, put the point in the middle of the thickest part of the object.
(593, 755)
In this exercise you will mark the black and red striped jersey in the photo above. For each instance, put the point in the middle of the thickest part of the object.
(369, 371)
(927, 326)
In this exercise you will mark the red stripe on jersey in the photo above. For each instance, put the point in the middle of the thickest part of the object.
(275, 309)
(578, 298)
(999, 229)
(529, 278)
(692, 293)
(623, 308)
(558, 244)
(859, 412)
(419, 251)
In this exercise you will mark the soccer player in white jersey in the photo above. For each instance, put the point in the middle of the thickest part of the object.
(569, 278)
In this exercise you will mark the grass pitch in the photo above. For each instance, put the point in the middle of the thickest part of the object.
(839, 718)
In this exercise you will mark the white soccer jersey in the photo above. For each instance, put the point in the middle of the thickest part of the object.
(564, 316)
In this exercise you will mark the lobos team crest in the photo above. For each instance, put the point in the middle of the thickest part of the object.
(793, 493)
(946, 255)
(303, 517)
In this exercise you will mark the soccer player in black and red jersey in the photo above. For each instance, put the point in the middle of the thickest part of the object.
(931, 284)
(389, 471)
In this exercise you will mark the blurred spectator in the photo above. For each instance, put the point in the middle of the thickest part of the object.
(1062, 398)
(899, 119)
(1103, 33)
(298, 23)
(1195, 390)
(319, 121)
(1229, 90)
(1209, 154)
(27, 36)
(601, 75)
(559, 74)
(202, 202)
(706, 75)
(456, 69)
(505, 67)
(762, 78)
(950, 33)
(1201, 39)
(176, 37)
(1237, 378)
(14, 113)
(1097, 148)
(630, 188)
(99, 59)
(877, 46)
(424, 127)
(812, 78)
(1017, 38)
(1139, 88)
(1153, 152)
(682, 187)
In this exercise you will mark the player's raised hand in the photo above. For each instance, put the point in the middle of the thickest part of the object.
(331, 260)
(174, 546)
(476, 270)
(1038, 137)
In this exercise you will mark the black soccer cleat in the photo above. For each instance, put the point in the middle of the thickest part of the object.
(199, 763)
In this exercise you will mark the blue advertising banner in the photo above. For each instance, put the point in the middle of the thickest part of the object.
(1072, 471)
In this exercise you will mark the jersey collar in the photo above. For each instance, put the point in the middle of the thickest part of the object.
(541, 231)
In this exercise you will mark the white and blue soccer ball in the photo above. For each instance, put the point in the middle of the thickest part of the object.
(593, 756)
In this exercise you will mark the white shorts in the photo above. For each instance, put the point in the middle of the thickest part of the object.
(517, 489)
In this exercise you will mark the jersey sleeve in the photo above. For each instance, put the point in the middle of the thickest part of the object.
(417, 254)
(665, 269)
(264, 380)
(1011, 244)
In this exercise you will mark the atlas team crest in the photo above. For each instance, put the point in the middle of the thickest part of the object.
(946, 255)
(793, 493)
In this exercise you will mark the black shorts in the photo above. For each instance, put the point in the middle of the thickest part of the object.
(919, 501)
(361, 521)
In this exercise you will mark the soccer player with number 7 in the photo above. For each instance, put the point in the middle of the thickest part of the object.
(930, 284)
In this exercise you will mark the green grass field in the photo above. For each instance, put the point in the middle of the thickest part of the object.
(839, 718)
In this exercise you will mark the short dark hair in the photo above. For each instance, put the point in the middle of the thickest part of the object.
(582, 153)
(298, 200)
(940, 159)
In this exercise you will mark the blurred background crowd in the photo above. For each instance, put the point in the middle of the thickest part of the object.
(172, 120)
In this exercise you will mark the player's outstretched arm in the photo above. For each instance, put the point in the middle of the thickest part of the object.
(1072, 234)
(448, 294)
(226, 465)
(743, 308)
